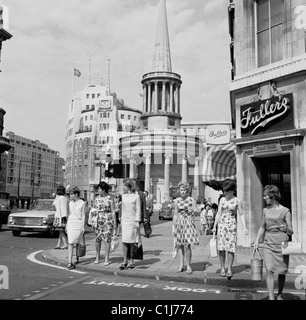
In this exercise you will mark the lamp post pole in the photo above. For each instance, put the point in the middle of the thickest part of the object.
(18, 189)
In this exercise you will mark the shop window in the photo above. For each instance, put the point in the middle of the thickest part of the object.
(270, 20)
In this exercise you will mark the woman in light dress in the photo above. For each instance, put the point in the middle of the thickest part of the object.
(103, 219)
(226, 220)
(75, 224)
(184, 229)
(130, 222)
(61, 214)
(276, 227)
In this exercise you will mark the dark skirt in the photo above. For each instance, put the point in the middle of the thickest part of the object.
(274, 260)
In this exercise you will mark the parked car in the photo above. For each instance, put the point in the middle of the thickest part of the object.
(38, 219)
(166, 211)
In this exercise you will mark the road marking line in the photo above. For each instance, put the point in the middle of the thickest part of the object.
(68, 284)
(32, 258)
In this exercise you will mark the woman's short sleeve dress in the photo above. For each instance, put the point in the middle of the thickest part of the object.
(184, 229)
(274, 260)
(104, 219)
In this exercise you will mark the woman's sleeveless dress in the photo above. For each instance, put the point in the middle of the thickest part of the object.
(274, 260)
(184, 230)
(105, 223)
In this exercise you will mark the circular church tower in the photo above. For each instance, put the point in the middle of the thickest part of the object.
(161, 155)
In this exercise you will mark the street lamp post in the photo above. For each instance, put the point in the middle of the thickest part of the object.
(18, 190)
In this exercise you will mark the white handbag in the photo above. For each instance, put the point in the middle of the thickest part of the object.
(213, 247)
(292, 247)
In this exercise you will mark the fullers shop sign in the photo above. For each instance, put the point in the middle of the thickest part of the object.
(271, 115)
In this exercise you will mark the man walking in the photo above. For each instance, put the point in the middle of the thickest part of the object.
(149, 212)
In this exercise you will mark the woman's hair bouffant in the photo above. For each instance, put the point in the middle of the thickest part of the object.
(129, 183)
(103, 186)
(183, 184)
(61, 190)
(273, 191)
(76, 191)
(229, 186)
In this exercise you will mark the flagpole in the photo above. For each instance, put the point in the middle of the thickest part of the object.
(72, 83)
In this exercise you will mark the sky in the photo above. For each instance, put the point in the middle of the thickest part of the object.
(51, 37)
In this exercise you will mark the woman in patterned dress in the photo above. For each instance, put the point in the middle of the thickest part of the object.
(184, 229)
(276, 227)
(103, 214)
(226, 220)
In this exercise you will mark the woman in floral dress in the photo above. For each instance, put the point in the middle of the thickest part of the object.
(103, 214)
(184, 229)
(226, 220)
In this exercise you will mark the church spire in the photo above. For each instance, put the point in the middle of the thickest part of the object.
(162, 55)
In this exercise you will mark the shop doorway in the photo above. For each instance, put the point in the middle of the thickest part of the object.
(276, 170)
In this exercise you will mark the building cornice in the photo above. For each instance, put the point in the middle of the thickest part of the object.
(267, 73)
(296, 133)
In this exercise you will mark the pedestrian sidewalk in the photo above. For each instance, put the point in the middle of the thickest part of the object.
(159, 264)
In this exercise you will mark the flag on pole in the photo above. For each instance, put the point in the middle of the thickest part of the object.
(77, 72)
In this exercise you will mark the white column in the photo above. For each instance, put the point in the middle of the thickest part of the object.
(156, 96)
(196, 177)
(167, 177)
(178, 100)
(148, 173)
(184, 169)
(149, 98)
(132, 168)
(171, 96)
(164, 97)
(145, 100)
(177, 107)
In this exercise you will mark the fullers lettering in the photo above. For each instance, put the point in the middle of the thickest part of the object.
(219, 133)
(267, 112)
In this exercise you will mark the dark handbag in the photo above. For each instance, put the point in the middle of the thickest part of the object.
(137, 252)
(82, 248)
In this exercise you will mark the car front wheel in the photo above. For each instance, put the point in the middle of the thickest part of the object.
(16, 233)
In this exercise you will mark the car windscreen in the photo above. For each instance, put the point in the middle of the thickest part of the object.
(44, 205)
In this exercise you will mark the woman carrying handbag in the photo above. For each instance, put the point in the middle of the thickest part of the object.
(276, 227)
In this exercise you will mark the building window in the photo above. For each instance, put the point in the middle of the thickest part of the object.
(270, 19)
(91, 117)
(87, 107)
(104, 115)
(129, 117)
(135, 118)
(87, 96)
(93, 96)
(122, 116)
(86, 118)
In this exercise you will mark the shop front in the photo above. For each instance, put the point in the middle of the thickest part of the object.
(270, 130)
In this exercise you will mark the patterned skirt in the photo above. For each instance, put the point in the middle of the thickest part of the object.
(185, 232)
(227, 233)
(105, 227)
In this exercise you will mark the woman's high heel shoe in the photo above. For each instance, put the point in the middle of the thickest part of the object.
(180, 269)
(229, 276)
(222, 273)
(123, 266)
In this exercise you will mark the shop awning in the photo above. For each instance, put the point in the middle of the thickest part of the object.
(219, 163)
